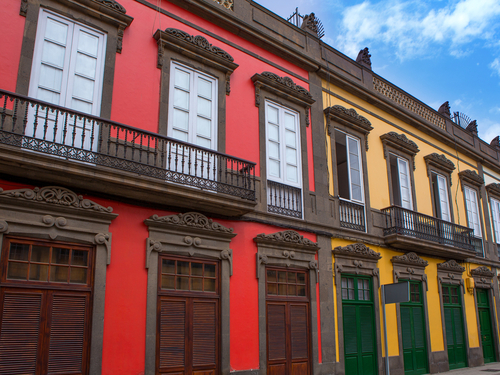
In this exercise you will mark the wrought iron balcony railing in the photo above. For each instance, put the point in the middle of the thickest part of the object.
(284, 200)
(352, 215)
(413, 224)
(50, 129)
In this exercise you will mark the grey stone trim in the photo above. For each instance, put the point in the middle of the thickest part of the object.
(493, 189)
(348, 117)
(281, 254)
(190, 235)
(357, 259)
(49, 219)
(288, 238)
(411, 267)
(440, 164)
(483, 277)
(283, 87)
(471, 177)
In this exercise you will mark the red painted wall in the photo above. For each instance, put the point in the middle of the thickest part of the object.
(11, 36)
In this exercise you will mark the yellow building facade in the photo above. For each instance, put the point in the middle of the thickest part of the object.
(418, 201)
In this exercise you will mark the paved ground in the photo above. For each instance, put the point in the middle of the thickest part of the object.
(489, 369)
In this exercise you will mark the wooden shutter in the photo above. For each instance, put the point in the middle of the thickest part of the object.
(406, 327)
(443, 198)
(276, 331)
(20, 328)
(350, 339)
(495, 214)
(355, 176)
(172, 333)
(472, 211)
(404, 184)
(204, 333)
(68, 325)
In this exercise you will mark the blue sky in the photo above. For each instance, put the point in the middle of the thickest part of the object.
(436, 50)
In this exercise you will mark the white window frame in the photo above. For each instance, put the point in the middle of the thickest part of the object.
(495, 217)
(473, 217)
(192, 110)
(408, 180)
(361, 181)
(67, 83)
(283, 178)
(443, 196)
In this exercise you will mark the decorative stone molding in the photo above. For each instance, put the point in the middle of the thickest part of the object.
(482, 277)
(440, 162)
(452, 266)
(482, 271)
(399, 142)
(445, 109)
(197, 48)
(55, 195)
(287, 238)
(471, 177)
(358, 250)
(364, 58)
(193, 220)
(411, 259)
(4, 226)
(349, 118)
(285, 88)
(495, 143)
(108, 10)
(228, 4)
(493, 189)
(398, 96)
(50, 221)
(472, 127)
(104, 239)
(313, 25)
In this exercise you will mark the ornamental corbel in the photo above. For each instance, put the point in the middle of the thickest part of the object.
(261, 259)
(313, 265)
(51, 221)
(151, 246)
(104, 239)
(257, 94)
(228, 255)
(4, 226)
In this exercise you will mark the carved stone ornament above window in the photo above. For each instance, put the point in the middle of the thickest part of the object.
(283, 87)
(399, 142)
(493, 189)
(411, 259)
(192, 220)
(287, 238)
(471, 177)
(107, 10)
(482, 277)
(55, 195)
(451, 265)
(347, 117)
(197, 48)
(357, 250)
(440, 162)
(482, 271)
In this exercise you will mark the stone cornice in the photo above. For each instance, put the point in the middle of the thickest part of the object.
(451, 266)
(357, 250)
(287, 238)
(440, 161)
(192, 220)
(482, 271)
(471, 177)
(493, 189)
(348, 117)
(410, 259)
(55, 195)
(400, 142)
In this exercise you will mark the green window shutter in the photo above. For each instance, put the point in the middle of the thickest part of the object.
(350, 324)
(20, 332)
(418, 327)
(276, 331)
(459, 334)
(366, 325)
(448, 321)
(406, 327)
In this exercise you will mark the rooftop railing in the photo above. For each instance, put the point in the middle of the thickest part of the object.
(413, 224)
(45, 128)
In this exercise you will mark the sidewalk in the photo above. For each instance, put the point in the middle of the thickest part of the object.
(489, 369)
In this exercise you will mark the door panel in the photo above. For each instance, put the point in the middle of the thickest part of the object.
(455, 337)
(172, 332)
(485, 325)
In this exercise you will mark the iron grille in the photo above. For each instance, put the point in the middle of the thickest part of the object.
(352, 215)
(50, 129)
(284, 200)
(413, 224)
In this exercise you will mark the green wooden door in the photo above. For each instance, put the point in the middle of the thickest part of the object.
(452, 306)
(413, 332)
(359, 326)
(483, 309)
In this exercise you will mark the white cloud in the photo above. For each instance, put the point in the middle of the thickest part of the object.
(495, 65)
(411, 28)
(488, 130)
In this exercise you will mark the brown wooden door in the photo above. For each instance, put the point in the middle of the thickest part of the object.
(45, 325)
(188, 317)
(288, 332)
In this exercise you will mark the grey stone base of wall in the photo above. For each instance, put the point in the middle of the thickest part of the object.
(396, 365)
(476, 357)
(245, 372)
(438, 362)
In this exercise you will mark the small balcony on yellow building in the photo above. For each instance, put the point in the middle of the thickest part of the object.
(410, 230)
(42, 141)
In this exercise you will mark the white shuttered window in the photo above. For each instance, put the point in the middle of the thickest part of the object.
(495, 215)
(472, 210)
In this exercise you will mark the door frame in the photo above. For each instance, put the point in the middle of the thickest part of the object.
(401, 265)
(493, 333)
(287, 249)
(357, 259)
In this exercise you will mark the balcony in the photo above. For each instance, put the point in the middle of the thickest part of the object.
(59, 145)
(409, 230)
(284, 200)
(352, 215)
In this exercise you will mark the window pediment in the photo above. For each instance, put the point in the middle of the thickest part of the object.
(191, 221)
(493, 189)
(399, 142)
(451, 266)
(289, 238)
(348, 117)
(357, 250)
(411, 259)
(471, 177)
(195, 47)
(440, 161)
